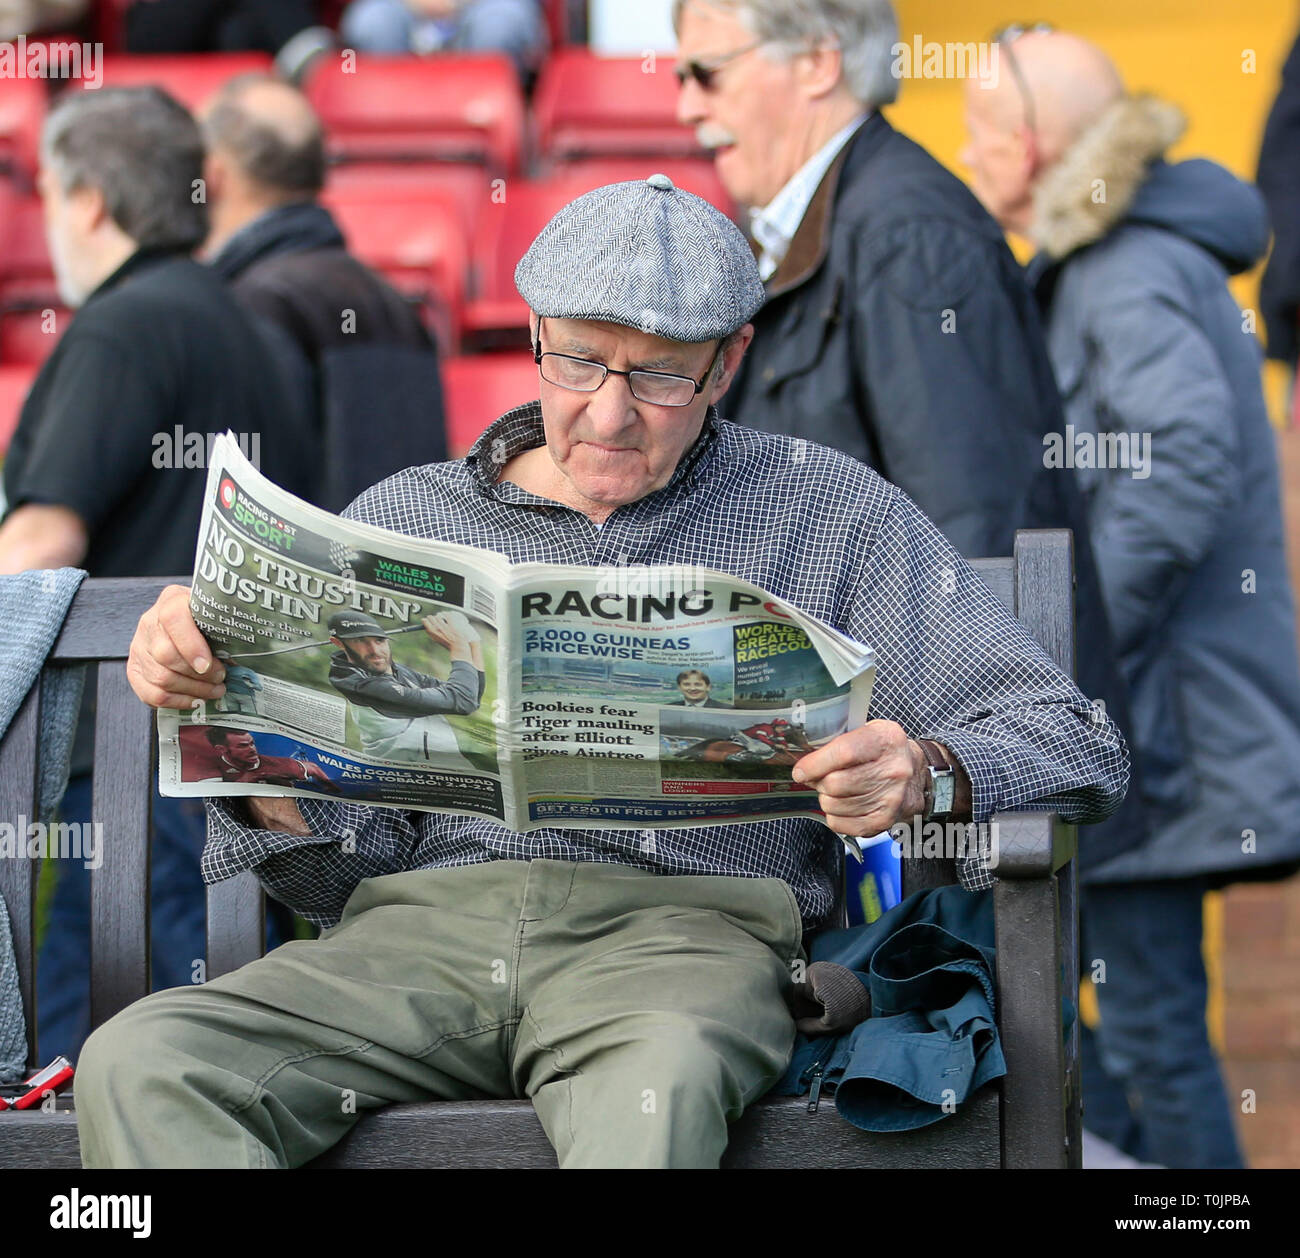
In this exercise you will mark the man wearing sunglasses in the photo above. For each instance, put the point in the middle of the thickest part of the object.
(645, 1002)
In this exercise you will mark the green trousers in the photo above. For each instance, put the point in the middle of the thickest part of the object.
(639, 1012)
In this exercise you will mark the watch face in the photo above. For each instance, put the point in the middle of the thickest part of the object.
(945, 789)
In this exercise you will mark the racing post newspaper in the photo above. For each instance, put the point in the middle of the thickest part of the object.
(366, 665)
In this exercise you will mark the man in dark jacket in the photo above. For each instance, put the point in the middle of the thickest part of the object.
(1169, 436)
(374, 371)
(898, 327)
(105, 471)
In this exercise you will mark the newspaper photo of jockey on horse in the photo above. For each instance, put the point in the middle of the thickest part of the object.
(773, 743)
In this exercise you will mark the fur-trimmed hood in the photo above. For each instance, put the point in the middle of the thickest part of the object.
(1115, 172)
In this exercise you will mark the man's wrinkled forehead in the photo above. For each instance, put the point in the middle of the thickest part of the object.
(586, 338)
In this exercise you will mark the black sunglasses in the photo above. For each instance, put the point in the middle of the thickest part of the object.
(703, 72)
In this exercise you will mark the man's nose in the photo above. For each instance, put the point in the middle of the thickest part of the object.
(692, 103)
(611, 408)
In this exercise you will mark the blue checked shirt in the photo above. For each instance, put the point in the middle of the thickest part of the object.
(815, 528)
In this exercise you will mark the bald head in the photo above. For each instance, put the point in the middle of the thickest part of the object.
(269, 134)
(1069, 84)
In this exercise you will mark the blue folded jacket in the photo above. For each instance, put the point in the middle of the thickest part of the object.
(931, 1039)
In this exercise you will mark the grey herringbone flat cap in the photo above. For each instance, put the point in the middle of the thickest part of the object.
(646, 255)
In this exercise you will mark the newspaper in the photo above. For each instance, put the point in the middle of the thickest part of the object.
(367, 665)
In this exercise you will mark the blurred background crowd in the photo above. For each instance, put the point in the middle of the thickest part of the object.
(312, 236)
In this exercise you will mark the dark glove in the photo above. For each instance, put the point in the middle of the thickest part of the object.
(831, 999)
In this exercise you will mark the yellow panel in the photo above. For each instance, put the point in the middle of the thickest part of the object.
(1221, 66)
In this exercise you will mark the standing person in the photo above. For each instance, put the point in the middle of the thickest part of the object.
(95, 477)
(897, 325)
(373, 374)
(1147, 343)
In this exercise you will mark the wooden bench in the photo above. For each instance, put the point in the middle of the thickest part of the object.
(1031, 1118)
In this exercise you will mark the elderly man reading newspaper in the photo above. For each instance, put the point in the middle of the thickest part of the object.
(635, 990)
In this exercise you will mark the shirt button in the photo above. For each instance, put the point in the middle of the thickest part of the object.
(769, 373)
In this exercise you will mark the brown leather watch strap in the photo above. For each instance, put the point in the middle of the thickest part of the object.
(933, 756)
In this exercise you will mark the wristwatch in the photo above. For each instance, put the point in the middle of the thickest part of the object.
(943, 783)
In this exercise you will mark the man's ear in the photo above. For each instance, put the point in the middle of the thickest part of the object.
(731, 360)
(215, 175)
(90, 207)
(820, 70)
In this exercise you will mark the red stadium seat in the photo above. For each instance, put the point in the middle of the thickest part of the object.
(32, 316)
(24, 255)
(14, 383)
(190, 78)
(481, 388)
(440, 108)
(22, 112)
(505, 230)
(470, 186)
(696, 175)
(414, 238)
(590, 106)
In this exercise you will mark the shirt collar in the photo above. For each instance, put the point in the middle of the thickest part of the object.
(522, 429)
(774, 226)
(138, 261)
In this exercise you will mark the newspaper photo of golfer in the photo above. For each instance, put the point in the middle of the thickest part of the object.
(408, 673)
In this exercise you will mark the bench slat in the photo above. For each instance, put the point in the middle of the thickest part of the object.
(19, 786)
(102, 619)
(1045, 591)
(236, 923)
(119, 888)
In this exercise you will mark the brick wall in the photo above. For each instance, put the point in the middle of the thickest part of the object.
(1258, 959)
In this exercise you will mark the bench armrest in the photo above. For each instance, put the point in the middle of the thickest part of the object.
(1036, 916)
(1032, 844)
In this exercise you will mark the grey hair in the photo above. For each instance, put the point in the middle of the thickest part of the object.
(719, 361)
(865, 31)
(142, 150)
